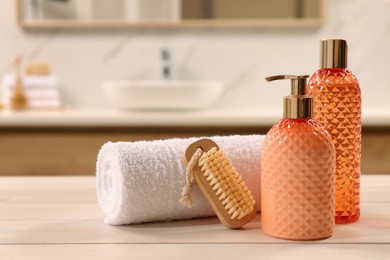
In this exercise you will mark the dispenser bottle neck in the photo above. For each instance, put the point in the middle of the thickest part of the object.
(298, 107)
(298, 104)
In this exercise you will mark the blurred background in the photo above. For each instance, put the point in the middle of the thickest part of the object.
(95, 71)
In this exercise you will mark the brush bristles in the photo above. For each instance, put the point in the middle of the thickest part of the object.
(227, 183)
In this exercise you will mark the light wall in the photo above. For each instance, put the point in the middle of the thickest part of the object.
(241, 58)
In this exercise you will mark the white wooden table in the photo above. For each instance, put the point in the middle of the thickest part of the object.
(58, 217)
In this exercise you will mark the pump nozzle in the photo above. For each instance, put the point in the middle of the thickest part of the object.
(298, 83)
(298, 104)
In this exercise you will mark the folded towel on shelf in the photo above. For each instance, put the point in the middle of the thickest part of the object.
(142, 181)
(45, 82)
(41, 91)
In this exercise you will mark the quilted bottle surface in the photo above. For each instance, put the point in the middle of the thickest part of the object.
(337, 106)
(297, 181)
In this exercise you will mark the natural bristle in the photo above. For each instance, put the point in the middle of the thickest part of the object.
(227, 183)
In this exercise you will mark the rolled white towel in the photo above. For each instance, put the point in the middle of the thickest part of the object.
(142, 181)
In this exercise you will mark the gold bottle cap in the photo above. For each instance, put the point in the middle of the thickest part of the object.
(298, 104)
(333, 53)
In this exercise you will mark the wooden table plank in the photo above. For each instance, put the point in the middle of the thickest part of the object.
(74, 188)
(197, 251)
(59, 217)
(77, 225)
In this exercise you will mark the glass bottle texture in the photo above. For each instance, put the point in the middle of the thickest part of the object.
(337, 106)
(297, 182)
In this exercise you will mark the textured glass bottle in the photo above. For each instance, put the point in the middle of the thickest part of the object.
(337, 106)
(297, 172)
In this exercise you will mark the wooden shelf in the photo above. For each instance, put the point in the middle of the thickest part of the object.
(83, 24)
(205, 23)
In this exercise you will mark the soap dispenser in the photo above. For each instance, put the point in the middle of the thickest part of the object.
(297, 171)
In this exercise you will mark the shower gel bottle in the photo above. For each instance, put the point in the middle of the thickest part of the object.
(337, 106)
(297, 171)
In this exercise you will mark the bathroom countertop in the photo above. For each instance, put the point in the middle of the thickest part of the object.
(58, 217)
(85, 118)
(135, 118)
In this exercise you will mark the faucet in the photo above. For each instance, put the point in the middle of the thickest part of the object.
(166, 70)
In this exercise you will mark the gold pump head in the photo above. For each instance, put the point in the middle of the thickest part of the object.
(298, 104)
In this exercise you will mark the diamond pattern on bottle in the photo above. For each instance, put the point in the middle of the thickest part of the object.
(298, 165)
(337, 105)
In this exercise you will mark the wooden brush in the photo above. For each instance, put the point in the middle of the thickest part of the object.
(221, 184)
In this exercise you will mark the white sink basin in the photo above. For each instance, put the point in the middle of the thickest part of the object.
(162, 94)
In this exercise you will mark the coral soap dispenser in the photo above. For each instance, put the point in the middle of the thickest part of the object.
(337, 106)
(297, 171)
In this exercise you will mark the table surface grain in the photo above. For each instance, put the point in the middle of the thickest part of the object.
(59, 218)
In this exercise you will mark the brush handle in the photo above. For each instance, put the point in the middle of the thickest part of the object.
(205, 144)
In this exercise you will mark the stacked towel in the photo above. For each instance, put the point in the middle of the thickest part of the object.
(142, 181)
(42, 91)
